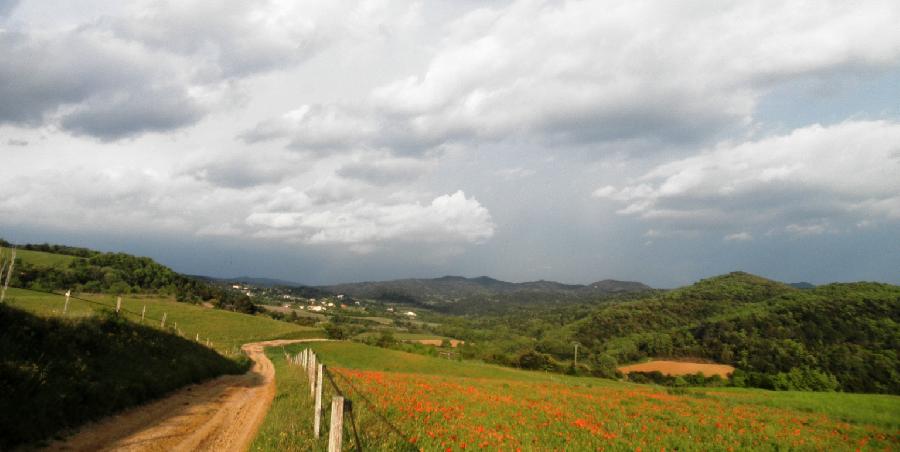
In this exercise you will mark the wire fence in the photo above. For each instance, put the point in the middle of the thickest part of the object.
(140, 317)
(370, 421)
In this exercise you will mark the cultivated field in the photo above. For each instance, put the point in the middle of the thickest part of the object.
(676, 368)
(438, 342)
(436, 404)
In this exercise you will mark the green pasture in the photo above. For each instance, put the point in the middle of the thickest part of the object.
(224, 329)
(40, 258)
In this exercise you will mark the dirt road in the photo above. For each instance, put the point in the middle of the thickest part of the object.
(223, 414)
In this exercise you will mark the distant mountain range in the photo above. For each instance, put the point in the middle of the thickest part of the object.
(451, 288)
(251, 280)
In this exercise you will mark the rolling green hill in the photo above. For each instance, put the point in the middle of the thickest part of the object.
(46, 267)
(838, 336)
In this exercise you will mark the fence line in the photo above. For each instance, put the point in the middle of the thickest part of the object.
(315, 370)
(118, 310)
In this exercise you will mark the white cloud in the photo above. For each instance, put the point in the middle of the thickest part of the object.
(808, 228)
(848, 170)
(447, 219)
(341, 200)
(739, 237)
(605, 71)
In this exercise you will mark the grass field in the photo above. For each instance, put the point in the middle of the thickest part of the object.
(447, 405)
(225, 330)
(40, 258)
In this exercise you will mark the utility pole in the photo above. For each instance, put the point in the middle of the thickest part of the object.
(576, 354)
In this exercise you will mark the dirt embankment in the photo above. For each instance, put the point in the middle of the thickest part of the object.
(223, 414)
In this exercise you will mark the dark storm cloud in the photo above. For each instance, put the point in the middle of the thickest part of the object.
(384, 171)
(96, 86)
(127, 114)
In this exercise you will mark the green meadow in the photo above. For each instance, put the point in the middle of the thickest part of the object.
(40, 258)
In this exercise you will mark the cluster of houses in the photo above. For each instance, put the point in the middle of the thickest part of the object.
(309, 304)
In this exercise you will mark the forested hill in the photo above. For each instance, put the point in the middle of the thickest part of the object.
(47, 268)
(455, 288)
(837, 336)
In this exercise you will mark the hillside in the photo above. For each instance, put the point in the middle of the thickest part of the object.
(225, 329)
(838, 336)
(59, 373)
(86, 362)
(47, 268)
(41, 259)
(454, 288)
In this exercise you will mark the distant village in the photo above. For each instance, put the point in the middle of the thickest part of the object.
(295, 298)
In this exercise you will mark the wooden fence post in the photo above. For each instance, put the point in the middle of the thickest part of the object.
(118, 304)
(335, 435)
(12, 263)
(144, 310)
(311, 373)
(163, 323)
(317, 423)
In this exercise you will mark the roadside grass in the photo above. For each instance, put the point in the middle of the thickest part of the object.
(40, 258)
(286, 428)
(225, 330)
(57, 373)
(452, 405)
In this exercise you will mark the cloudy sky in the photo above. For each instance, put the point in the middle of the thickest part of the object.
(331, 141)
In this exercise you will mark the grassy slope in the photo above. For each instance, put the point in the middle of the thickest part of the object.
(860, 417)
(58, 373)
(224, 329)
(40, 258)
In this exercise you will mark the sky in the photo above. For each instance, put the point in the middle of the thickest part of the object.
(339, 141)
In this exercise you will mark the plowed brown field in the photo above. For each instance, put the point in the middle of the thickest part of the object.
(680, 368)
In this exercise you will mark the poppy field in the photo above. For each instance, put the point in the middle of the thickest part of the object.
(453, 406)
(466, 413)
